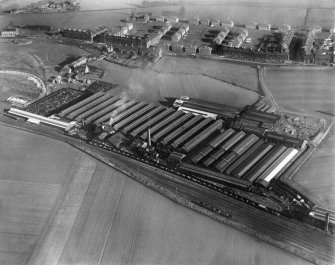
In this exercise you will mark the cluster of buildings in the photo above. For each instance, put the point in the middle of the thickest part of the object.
(319, 46)
(59, 5)
(9, 32)
(238, 39)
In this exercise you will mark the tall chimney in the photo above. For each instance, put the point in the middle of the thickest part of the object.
(149, 137)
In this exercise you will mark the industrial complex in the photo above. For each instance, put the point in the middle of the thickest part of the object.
(232, 155)
(221, 147)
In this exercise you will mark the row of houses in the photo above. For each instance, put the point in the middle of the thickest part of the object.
(228, 23)
(221, 36)
(190, 49)
(183, 29)
(237, 41)
(9, 32)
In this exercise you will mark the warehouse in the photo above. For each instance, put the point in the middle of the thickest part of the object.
(90, 108)
(80, 104)
(251, 151)
(185, 136)
(143, 118)
(264, 163)
(245, 167)
(164, 124)
(151, 122)
(217, 125)
(171, 126)
(181, 129)
(109, 109)
(118, 122)
(120, 113)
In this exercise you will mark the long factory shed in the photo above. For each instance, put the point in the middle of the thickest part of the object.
(80, 104)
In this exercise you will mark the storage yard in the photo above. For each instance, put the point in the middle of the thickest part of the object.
(158, 222)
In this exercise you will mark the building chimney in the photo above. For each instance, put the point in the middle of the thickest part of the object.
(149, 137)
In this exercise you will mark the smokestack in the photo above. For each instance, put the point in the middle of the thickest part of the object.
(149, 137)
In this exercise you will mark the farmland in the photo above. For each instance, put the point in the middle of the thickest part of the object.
(108, 218)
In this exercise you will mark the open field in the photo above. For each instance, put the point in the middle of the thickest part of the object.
(303, 89)
(310, 91)
(240, 75)
(318, 172)
(116, 220)
(31, 179)
(158, 87)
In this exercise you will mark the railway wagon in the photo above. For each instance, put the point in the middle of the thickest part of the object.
(172, 135)
(272, 172)
(108, 109)
(217, 125)
(191, 132)
(119, 114)
(120, 119)
(264, 163)
(214, 176)
(221, 138)
(152, 121)
(244, 156)
(80, 104)
(163, 124)
(131, 126)
(245, 144)
(204, 152)
(249, 122)
(224, 148)
(248, 164)
(171, 126)
(91, 107)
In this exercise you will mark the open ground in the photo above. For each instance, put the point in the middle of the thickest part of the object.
(311, 92)
(112, 219)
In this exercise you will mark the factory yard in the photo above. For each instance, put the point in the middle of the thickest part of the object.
(127, 222)
(159, 87)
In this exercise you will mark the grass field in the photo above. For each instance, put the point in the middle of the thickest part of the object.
(107, 219)
(159, 87)
(311, 92)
